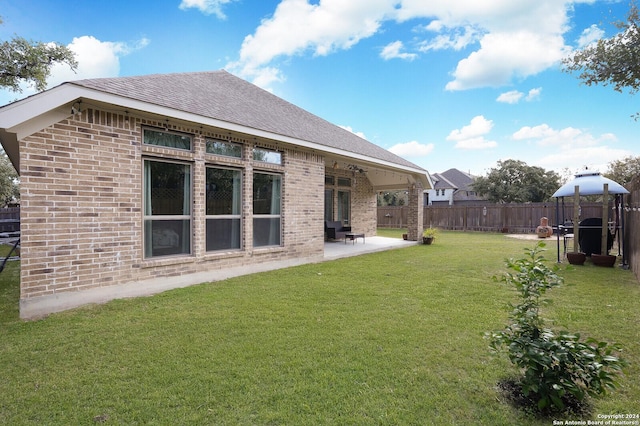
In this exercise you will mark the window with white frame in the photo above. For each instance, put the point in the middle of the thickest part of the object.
(267, 201)
(167, 208)
(223, 208)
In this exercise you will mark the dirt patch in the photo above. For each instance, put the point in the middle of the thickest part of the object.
(529, 237)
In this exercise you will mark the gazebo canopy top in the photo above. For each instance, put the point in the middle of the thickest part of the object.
(590, 183)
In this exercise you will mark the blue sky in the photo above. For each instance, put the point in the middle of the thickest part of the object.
(443, 83)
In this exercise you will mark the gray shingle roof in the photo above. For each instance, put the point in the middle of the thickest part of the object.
(454, 178)
(222, 96)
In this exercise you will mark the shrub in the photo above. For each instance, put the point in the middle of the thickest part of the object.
(555, 366)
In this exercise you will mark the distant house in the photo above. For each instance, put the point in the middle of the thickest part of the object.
(134, 185)
(451, 187)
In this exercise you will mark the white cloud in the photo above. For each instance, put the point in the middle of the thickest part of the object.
(571, 148)
(507, 56)
(95, 59)
(511, 97)
(412, 149)
(534, 94)
(514, 39)
(348, 128)
(477, 127)
(297, 27)
(515, 96)
(472, 136)
(456, 38)
(589, 36)
(208, 7)
(393, 50)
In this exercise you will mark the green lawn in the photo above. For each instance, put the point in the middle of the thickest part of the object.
(392, 338)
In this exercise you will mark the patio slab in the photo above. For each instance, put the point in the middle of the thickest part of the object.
(339, 249)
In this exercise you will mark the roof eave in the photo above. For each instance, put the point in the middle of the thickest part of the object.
(27, 116)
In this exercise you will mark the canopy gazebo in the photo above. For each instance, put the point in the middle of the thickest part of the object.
(591, 183)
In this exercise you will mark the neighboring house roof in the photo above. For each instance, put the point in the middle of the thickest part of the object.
(457, 180)
(215, 98)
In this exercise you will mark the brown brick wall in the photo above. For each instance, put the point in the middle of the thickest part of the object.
(81, 183)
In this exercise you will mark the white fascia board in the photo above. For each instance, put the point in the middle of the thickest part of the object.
(24, 110)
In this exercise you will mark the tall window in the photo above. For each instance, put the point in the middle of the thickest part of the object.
(223, 209)
(266, 209)
(344, 206)
(167, 208)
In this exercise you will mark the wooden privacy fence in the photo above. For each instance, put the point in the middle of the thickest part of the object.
(512, 218)
(632, 226)
(10, 219)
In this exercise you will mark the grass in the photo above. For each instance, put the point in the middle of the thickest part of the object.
(384, 338)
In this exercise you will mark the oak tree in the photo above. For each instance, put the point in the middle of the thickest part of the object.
(611, 61)
(26, 61)
(513, 181)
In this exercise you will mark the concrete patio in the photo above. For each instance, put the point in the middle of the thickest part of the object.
(339, 249)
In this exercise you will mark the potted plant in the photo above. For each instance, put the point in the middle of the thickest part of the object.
(576, 257)
(428, 235)
(603, 259)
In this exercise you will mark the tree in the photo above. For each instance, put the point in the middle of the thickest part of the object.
(23, 60)
(393, 198)
(613, 61)
(513, 181)
(9, 186)
(624, 171)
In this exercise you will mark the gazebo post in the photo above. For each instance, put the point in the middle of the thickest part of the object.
(576, 218)
(604, 240)
(558, 226)
(621, 241)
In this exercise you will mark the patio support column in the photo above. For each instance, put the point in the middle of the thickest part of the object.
(415, 216)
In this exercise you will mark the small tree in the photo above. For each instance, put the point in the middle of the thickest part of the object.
(22, 60)
(554, 366)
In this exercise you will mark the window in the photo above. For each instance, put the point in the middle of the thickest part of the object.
(344, 181)
(344, 206)
(223, 208)
(166, 139)
(167, 208)
(228, 149)
(329, 180)
(266, 209)
(267, 156)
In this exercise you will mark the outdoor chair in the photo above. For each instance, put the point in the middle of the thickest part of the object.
(335, 230)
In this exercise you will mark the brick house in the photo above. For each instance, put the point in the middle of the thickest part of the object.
(134, 185)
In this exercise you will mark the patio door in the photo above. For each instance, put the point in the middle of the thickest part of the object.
(328, 204)
(344, 207)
